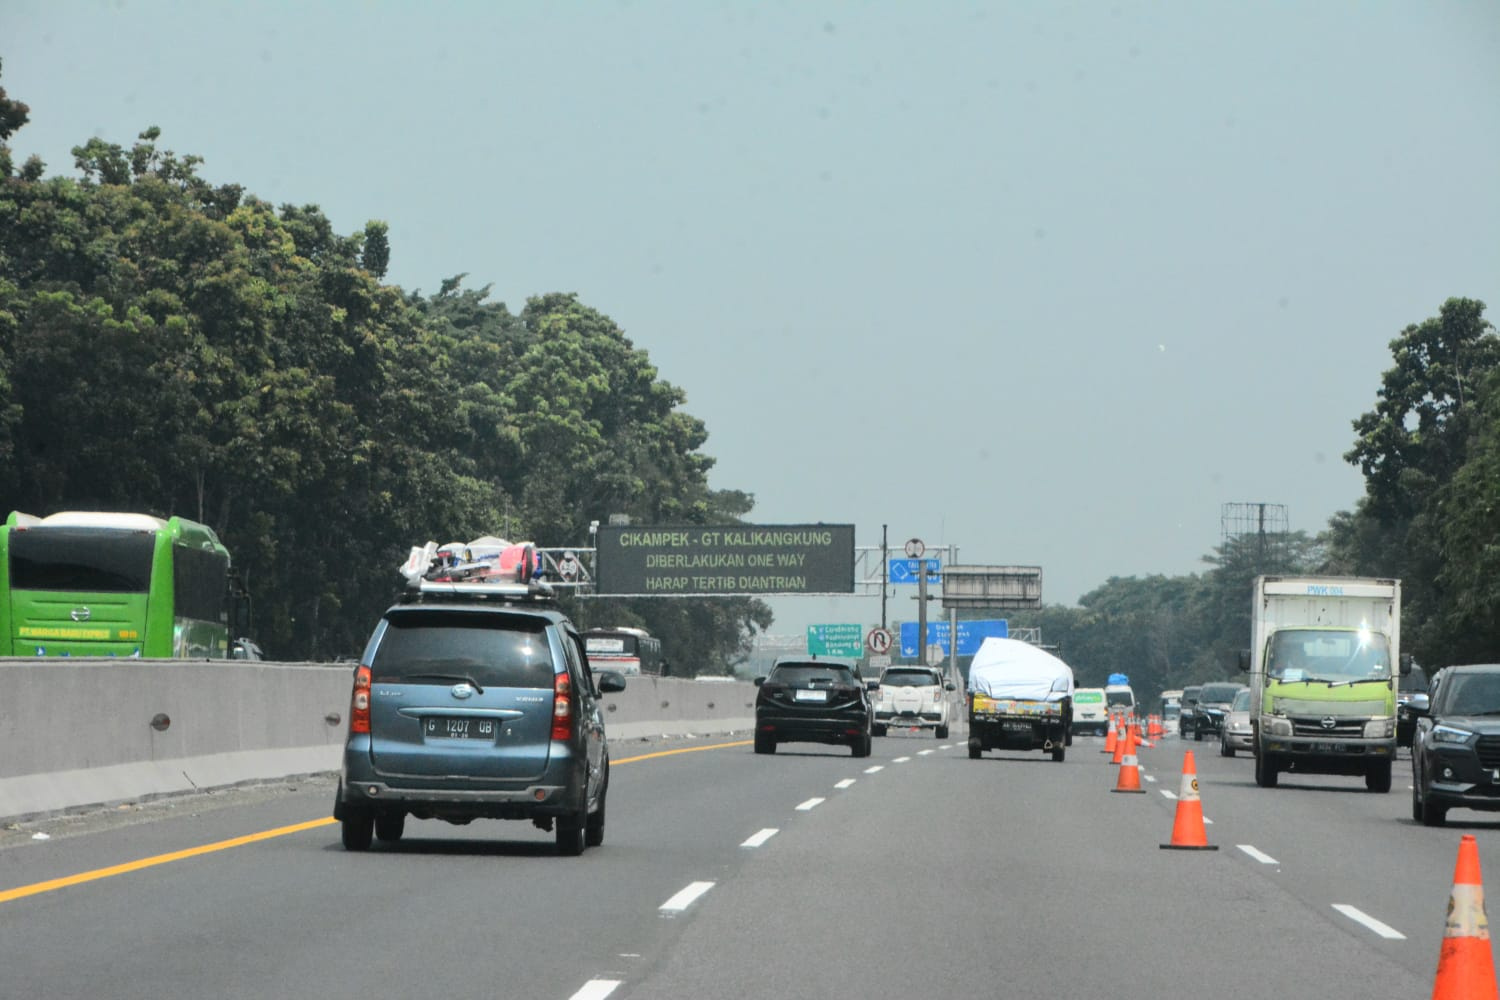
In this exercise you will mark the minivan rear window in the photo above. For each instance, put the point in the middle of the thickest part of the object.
(811, 673)
(488, 649)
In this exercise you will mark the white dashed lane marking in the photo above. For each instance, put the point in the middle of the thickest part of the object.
(761, 837)
(1364, 919)
(875, 770)
(846, 783)
(685, 898)
(1258, 855)
(596, 989)
(809, 804)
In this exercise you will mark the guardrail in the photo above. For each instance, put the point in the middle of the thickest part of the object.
(86, 732)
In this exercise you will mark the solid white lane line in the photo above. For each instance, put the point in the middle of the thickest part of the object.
(1360, 917)
(761, 837)
(873, 770)
(900, 760)
(846, 783)
(685, 898)
(596, 989)
(809, 804)
(1258, 855)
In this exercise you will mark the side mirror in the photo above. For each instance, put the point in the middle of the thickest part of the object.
(948, 686)
(610, 681)
(1244, 661)
(759, 681)
(1405, 663)
(1420, 704)
(872, 685)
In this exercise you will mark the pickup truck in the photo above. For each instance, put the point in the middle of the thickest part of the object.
(1020, 698)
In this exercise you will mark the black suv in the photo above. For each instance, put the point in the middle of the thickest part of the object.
(1187, 714)
(813, 701)
(476, 701)
(1213, 705)
(1455, 753)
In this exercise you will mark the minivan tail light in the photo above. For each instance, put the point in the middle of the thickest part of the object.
(359, 706)
(562, 707)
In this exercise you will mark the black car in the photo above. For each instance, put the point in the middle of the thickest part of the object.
(1455, 753)
(476, 701)
(1187, 716)
(1213, 705)
(1413, 691)
(813, 701)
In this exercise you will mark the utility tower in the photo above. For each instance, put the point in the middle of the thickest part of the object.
(1259, 532)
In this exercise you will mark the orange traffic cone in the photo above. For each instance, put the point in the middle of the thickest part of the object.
(1130, 771)
(1153, 729)
(1466, 970)
(1188, 832)
(1109, 740)
(1126, 735)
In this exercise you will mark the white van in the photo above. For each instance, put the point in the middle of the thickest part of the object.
(1089, 712)
(1120, 698)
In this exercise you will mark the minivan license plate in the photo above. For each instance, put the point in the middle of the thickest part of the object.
(449, 728)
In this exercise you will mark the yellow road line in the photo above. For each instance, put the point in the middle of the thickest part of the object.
(160, 859)
(672, 753)
(37, 888)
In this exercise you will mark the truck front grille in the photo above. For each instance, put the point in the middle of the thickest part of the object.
(1341, 729)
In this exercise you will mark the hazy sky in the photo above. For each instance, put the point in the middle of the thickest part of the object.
(1051, 283)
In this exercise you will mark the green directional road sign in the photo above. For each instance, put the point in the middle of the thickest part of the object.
(847, 641)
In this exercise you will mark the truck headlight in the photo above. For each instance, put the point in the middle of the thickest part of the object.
(1380, 729)
(1453, 735)
(1278, 727)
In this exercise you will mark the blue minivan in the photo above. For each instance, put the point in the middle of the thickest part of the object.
(476, 701)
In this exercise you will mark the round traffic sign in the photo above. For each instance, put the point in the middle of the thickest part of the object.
(915, 548)
(878, 640)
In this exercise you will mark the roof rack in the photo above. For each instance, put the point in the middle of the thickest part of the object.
(505, 593)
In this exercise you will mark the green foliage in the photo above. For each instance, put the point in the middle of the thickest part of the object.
(169, 346)
(1421, 449)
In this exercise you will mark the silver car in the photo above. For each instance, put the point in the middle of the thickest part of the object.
(1235, 733)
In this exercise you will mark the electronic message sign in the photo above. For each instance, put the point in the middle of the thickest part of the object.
(724, 560)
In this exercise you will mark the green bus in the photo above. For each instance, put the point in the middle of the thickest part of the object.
(92, 583)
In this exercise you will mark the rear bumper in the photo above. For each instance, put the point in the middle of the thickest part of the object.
(838, 729)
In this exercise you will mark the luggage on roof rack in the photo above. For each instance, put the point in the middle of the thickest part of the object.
(485, 560)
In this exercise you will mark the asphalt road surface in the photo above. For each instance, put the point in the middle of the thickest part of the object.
(913, 873)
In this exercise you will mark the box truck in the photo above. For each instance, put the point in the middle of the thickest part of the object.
(1323, 665)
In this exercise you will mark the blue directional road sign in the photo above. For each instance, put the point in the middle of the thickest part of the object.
(970, 635)
(907, 571)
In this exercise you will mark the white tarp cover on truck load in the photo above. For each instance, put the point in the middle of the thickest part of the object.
(1010, 668)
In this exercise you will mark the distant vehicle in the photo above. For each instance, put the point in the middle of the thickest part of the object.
(626, 650)
(92, 583)
(1235, 734)
(1213, 705)
(1187, 719)
(475, 700)
(1455, 751)
(1118, 694)
(1411, 692)
(1323, 660)
(1089, 712)
(1020, 698)
(1171, 706)
(814, 701)
(914, 697)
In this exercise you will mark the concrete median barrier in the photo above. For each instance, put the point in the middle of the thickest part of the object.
(82, 732)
